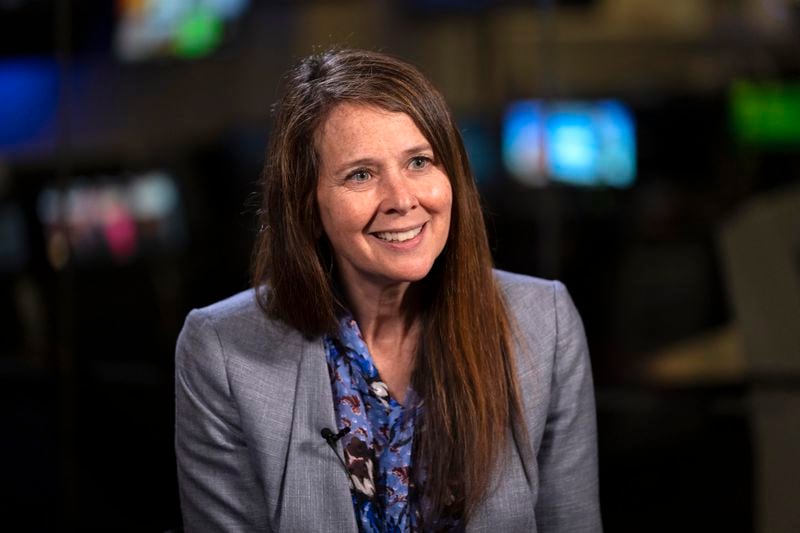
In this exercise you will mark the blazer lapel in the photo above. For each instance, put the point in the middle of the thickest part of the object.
(316, 493)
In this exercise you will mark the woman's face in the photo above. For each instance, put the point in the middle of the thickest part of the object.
(384, 200)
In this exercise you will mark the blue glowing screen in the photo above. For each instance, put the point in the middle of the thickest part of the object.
(28, 99)
(577, 143)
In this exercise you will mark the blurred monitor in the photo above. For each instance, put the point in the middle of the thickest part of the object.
(173, 28)
(765, 114)
(581, 143)
(97, 219)
(28, 100)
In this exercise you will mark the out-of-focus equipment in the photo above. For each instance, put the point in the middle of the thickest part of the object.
(766, 114)
(112, 218)
(176, 28)
(581, 143)
(761, 250)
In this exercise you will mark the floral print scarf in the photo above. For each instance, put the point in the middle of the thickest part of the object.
(377, 450)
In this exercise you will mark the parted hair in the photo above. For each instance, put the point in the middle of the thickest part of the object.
(464, 369)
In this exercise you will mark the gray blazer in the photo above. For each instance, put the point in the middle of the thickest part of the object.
(253, 394)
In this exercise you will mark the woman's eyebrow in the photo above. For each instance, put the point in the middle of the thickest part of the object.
(362, 162)
(417, 149)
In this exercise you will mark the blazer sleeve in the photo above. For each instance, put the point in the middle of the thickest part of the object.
(568, 498)
(219, 490)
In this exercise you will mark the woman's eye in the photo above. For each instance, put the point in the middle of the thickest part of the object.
(419, 162)
(359, 175)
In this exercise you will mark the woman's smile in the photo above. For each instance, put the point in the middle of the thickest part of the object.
(399, 236)
(384, 200)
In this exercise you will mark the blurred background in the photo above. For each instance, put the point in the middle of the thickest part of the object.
(646, 153)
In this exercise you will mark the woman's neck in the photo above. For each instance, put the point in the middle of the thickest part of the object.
(388, 317)
(383, 311)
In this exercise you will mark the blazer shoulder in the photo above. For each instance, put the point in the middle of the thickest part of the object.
(521, 283)
(542, 297)
(238, 325)
(238, 314)
(528, 295)
(240, 306)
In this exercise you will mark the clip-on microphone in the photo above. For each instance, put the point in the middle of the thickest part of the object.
(331, 438)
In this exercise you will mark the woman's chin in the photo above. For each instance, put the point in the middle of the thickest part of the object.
(397, 276)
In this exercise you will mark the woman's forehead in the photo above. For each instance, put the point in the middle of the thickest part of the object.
(350, 127)
(347, 109)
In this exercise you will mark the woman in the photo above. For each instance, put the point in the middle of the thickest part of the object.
(450, 396)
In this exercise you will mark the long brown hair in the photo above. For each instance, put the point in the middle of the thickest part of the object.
(465, 371)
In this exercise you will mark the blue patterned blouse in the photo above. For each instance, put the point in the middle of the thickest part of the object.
(377, 451)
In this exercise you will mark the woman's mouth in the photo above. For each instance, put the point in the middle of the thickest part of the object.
(398, 236)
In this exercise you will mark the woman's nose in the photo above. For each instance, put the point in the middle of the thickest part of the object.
(399, 194)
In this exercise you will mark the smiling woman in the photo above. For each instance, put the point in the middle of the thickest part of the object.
(383, 201)
(460, 396)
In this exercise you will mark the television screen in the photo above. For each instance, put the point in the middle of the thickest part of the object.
(176, 28)
(582, 143)
(28, 100)
(765, 114)
(112, 217)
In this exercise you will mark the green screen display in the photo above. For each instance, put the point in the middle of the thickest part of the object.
(766, 113)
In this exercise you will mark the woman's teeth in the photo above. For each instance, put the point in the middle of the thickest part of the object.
(399, 236)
